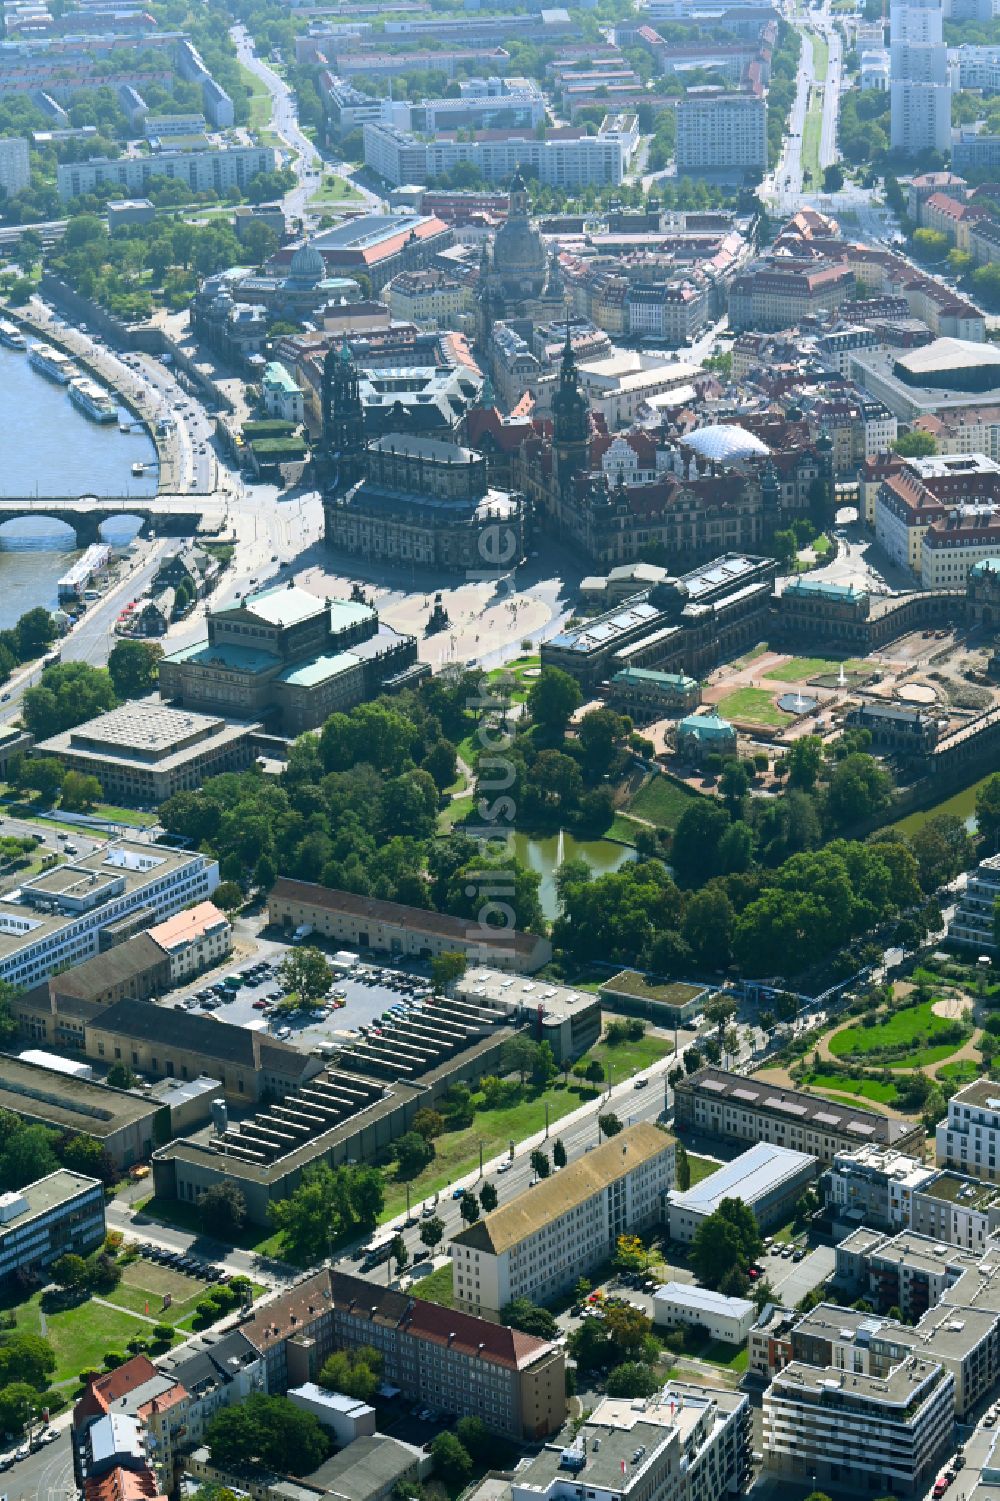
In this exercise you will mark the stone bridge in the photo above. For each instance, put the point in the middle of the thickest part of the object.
(161, 515)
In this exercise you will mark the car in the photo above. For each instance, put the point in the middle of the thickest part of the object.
(49, 1436)
(420, 1256)
(640, 1084)
(260, 1004)
(786, 1252)
(22, 1451)
(940, 1485)
(6, 1460)
(505, 1167)
(459, 1193)
(411, 1222)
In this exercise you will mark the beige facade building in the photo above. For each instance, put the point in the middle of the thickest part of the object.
(542, 1242)
(429, 298)
(366, 922)
(144, 752)
(194, 939)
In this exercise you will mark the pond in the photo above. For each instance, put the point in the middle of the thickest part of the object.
(545, 855)
(961, 804)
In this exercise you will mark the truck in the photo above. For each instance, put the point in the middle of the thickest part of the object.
(302, 932)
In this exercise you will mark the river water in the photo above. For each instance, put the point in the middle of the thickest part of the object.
(48, 447)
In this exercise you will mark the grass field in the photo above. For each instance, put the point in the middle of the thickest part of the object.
(333, 192)
(753, 706)
(624, 829)
(436, 1287)
(457, 809)
(130, 816)
(631, 1057)
(811, 135)
(864, 1089)
(81, 1335)
(523, 670)
(803, 669)
(821, 56)
(900, 1030)
(260, 99)
(145, 1282)
(962, 1072)
(701, 1167)
(661, 801)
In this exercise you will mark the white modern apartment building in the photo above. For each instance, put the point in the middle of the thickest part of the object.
(62, 916)
(920, 80)
(971, 927)
(957, 1209)
(722, 132)
(967, 1138)
(685, 1444)
(875, 1186)
(221, 168)
(567, 158)
(15, 172)
(837, 1430)
(61, 1213)
(542, 1242)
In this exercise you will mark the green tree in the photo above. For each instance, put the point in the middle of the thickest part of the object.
(41, 774)
(833, 179)
(447, 968)
(68, 693)
(988, 813)
(356, 1373)
(552, 699)
(400, 1254)
(328, 1204)
(431, 1231)
(633, 1379)
(305, 972)
(134, 667)
(529, 1318)
(558, 1153)
(271, 1430)
(428, 1122)
(83, 1154)
(477, 1438)
(79, 791)
(803, 758)
(469, 1208)
(452, 1459)
(413, 1152)
(36, 630)
(708, 927)
(859, 787)
(540, 1163)
(70, 1271)
(716, 1250)
(19, 1405)
(441, 763)
(120, 1076)
(488, 1198)
(222, 1210)
(27, 1153)
(228, 895)
(682, 1168)
(26, 1358)
(915, 445)
(609, 1124)
(942, 847)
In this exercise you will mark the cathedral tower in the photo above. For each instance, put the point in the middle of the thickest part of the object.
(343, 422)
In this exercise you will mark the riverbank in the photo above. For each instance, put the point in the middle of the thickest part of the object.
(103, 371)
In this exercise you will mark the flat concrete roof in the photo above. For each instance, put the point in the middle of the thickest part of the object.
(67, 1102)
(45, 1194)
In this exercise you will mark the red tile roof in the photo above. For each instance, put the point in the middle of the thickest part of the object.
(104, 1391)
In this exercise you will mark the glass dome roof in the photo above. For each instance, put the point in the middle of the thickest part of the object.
(725, 443)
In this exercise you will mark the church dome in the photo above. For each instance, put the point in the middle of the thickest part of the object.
(307, 264)
(520, 264)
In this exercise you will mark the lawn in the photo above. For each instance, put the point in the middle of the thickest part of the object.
(455, 811)
(523, 670)
(866, 1089)
(753, 706)
(717, 1352)
(661, 801)
(144, 1282)
(631, 1057)
(112, 814)
(623, 828)
(457, 1152)
(260, 99)
(334, 191)
(701, 1167)
(821, 56)
(915, 1024)
(81, 1335)
(962, 1072)
(804, 669)
(821, 545)
(811, 135)
(436, 1287)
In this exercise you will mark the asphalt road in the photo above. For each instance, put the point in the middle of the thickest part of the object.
(45, 1476)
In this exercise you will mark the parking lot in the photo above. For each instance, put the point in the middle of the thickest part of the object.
(366, 995)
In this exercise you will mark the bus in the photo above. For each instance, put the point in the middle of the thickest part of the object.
(378, 1251)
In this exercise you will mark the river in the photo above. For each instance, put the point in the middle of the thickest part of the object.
(51, 448)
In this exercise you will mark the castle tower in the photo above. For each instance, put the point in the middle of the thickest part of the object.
(343, 422)
(570, 427)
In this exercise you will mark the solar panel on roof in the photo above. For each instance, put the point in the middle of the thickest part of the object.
(788, 1106)
(827, 1119)
(861, 1128)
(744, 1094)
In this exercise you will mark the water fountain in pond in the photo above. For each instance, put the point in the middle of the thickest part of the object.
(841, 677)
(560, 850)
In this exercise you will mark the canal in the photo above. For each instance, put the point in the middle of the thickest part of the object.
(961, 804)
